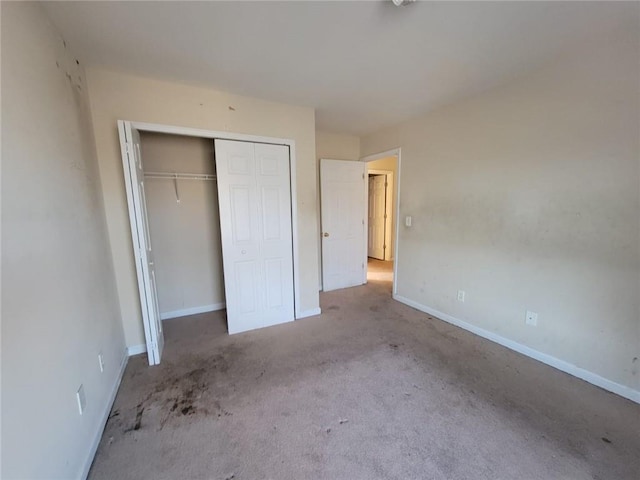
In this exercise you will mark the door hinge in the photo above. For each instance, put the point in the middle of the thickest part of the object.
(127, 148)
(386, 184)
(385, 216)
(363, 221)
(363, 265)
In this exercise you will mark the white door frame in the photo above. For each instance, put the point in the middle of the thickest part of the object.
(213, 134)
(397, 152)
(388, 222)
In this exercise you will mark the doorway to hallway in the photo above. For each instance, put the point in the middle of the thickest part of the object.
(380, 271)
(381, 195)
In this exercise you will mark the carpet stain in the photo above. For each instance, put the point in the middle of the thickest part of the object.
(185, 391)
(138, 423)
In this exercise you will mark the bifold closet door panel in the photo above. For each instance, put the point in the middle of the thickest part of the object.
(164, 221)
(255, 218)
(274, 203)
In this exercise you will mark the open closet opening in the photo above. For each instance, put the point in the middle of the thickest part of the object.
(212, 226)
(184, 223)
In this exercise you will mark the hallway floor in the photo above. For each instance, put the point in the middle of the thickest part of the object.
(380, 271)
(370, 389)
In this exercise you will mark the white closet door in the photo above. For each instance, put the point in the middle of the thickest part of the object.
(143, 253)
(377, 216)
(343, 203)
(254, 192)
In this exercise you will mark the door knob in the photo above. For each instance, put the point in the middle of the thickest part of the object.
(325, 234)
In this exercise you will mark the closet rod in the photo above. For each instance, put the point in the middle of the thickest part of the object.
(180, 176)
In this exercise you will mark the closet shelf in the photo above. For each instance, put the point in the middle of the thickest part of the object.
(180, 176)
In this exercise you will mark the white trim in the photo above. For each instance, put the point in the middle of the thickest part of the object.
(192, 311)
(397, 152)
(197, 132)
(294, 228)
(581, 373)
(136, 349)
(105, 416)
(308, 313)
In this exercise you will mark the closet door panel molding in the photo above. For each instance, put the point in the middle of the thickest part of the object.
(254, 190)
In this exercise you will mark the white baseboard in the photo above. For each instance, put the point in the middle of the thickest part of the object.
(192, 311)
(136, 349)
(308, 313)
(597, 380)
(105, 416)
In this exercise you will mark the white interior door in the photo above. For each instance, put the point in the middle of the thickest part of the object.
(134, 182)
(377, 216)
(254, 191)
(342, 190)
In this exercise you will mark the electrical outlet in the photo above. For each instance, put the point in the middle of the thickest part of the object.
(531, 318)
(461, 296)
(101, 362)
(82, 399)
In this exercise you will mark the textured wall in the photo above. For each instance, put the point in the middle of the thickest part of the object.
(59, 304)
(527, 197)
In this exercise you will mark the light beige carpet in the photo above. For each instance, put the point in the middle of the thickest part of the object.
(371, 389)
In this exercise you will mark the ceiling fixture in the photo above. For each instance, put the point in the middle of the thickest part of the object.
(402, 3)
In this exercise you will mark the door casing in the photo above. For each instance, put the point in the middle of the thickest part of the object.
(397, 152)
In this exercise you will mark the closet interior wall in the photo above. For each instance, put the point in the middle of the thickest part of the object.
(184, 223)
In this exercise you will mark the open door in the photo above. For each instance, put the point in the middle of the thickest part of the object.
(343, 205)
(377, 216)
(254, 192)
(134, 182)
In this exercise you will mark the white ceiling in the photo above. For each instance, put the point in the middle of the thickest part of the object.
(362, 65)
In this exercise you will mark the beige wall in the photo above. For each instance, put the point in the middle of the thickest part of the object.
(527, 197)
(185, 235)
(59, 304)
(117, 96)
(390, 164)
(337, 146)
